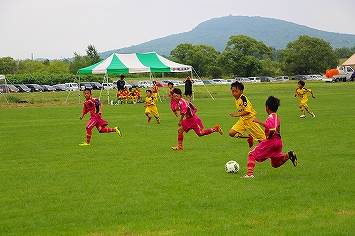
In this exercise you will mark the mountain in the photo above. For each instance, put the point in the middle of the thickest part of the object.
(216, 32)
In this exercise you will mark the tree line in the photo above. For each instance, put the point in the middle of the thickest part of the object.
(243, 56)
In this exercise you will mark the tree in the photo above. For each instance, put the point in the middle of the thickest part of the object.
(242, 56)
(308, 55)
(79, 61)
(8, 65)
(91, 52)
(201, 57)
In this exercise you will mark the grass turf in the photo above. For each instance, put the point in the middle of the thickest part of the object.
(136, 185)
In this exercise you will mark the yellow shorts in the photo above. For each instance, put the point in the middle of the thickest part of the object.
(249, 125)
(152, 109)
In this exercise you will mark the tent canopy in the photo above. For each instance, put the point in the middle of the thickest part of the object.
(350, 61)
(134, 63)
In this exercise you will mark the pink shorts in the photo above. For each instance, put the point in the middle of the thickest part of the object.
(268, 148)
(194, 123)
(97, 121)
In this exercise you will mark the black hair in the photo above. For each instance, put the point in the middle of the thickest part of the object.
(148, 90)
(177, 91)
(171, 83)
(87, 89)
(301, 82)
(122, 76)
(237, 84)
(273, 103)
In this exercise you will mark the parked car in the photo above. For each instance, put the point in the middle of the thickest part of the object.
(266, 79)
(220, 81)
(96, 85)
(60, 87)
(242, 80)
(9, 88)
(315, 77)
(35, 87)
(178, 83)
(209, 82)
(254, 79)
(48, 88)
(85, 85)
(301, 77)
(281, 78)
(145, 84)
(22, 88)
(231, 80)
(197, 82)
(72, 86)
(108, 86)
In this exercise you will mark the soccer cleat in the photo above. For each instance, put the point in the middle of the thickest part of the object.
(313, 115)
(247, 176)
(218, 129)
(118, 131)
(149, 118)
(303, 116)
(250, 141)
(293, 158)
(84, 144)
(158, 122)
(177, 148)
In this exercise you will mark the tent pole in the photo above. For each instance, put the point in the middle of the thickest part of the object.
(203, 84)
(79, 90)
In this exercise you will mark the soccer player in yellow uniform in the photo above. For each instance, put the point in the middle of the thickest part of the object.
(246, 115)
(150, 106)
(301, 93)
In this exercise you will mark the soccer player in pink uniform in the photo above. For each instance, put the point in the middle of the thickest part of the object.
(191, 121)
(173, 104)
(94, 107)
(271, 147)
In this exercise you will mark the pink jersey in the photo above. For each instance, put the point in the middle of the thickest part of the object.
(272, 126)
(93, 106)
(187, 108)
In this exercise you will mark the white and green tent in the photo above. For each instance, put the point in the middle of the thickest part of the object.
(134, 63)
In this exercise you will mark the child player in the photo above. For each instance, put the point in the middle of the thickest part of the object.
(150, 106)
(191, 121)
(155, 90)
(94, 106)
(301, 93)
(246, 114)
(272, 146)
(173, 104)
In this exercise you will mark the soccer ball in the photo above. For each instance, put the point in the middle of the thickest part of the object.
(232, 167)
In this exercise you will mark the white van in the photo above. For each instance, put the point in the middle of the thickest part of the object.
(72, 86)
(254, 79)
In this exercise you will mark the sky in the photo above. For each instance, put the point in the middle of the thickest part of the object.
(56, 29)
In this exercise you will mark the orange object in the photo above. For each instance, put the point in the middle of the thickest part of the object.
(330, 73)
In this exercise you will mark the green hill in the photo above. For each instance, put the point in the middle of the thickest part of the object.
(216, 32)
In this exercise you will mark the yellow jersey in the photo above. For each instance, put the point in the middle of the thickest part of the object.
(243, 104)
(302, 94)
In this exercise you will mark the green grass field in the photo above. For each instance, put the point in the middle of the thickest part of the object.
(136, 185)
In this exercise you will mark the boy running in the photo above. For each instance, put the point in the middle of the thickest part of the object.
(150, 106)
(246, 114)
(191, 121)
(272, 146)
(94, 106)
(301, 93)
(173, 104)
